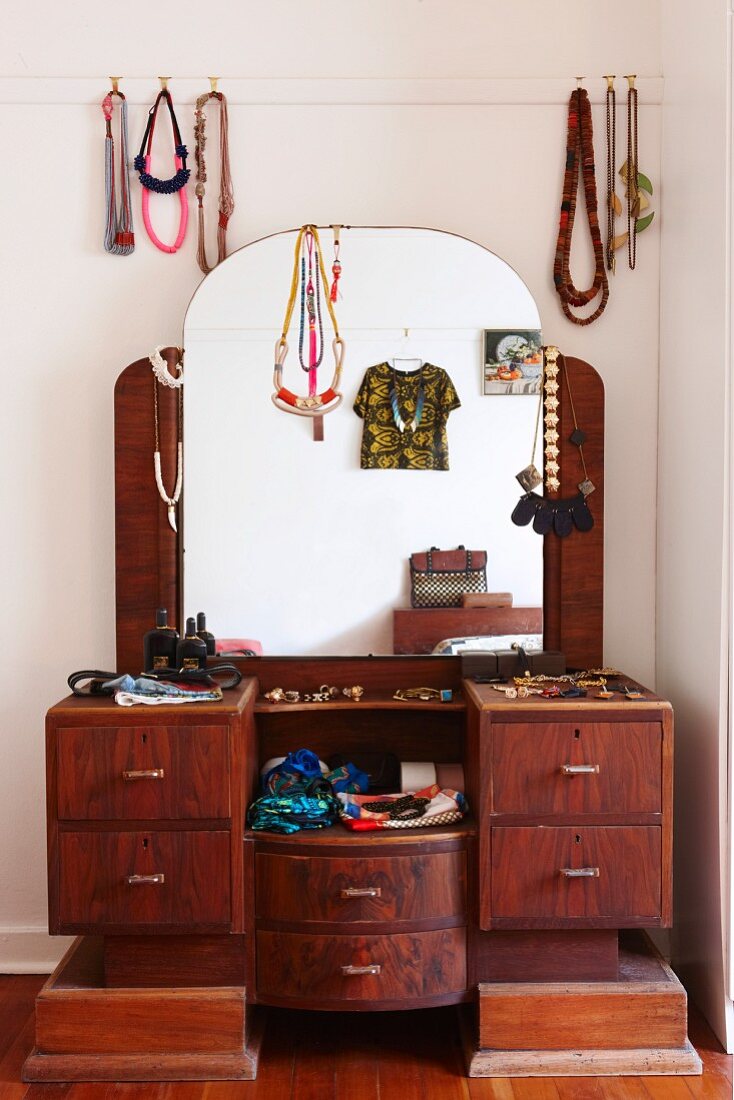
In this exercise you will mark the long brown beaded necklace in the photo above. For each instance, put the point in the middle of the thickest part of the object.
(633, 204)
(613, 204)
(579, 160)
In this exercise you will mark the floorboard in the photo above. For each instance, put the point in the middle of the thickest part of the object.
(355, 1056)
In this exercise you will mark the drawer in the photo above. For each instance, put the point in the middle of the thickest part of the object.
(530, 767)
(360, 969)
(138, 878)
(136, 773)
(621, 879)
(396, 888)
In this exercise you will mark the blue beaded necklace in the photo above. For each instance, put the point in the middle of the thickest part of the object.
(181, 178)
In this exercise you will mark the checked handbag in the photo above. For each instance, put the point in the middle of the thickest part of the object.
(439, 578)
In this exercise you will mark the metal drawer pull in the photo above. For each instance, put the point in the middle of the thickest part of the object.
(146, 880)
(361, 892)
(580, 872)
(374, 968)
(580, 769)
(150, 773)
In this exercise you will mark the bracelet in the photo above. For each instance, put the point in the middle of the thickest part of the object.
(425, 694)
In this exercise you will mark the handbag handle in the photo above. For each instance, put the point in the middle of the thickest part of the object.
(467, 568)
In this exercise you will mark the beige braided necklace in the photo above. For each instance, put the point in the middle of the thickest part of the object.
(226, 192)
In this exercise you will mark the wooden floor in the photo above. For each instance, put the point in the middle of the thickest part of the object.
(385, 1056)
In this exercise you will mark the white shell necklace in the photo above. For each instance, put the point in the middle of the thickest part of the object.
(163, 377)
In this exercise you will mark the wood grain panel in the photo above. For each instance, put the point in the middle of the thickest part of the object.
(551, 955)
(527, 763)
(645, 1007)
(175, 961)
(146, 548)
(410, 888)
(573, 567)
(418, 630)
(94, 891)
(118, 1021)
(309, 968)
(92, 762)
(527, 886)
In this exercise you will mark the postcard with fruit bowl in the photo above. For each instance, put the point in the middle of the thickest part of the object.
(512, 361)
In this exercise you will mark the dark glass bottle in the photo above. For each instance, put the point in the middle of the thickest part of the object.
(159, 644)
(206, 635)
(191, 651)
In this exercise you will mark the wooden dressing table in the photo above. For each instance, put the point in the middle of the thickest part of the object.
(190, 924)
(527, 916)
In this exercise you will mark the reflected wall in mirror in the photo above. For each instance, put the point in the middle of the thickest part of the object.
(287, 540)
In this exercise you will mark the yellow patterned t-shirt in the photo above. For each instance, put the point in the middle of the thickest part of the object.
(384, 446)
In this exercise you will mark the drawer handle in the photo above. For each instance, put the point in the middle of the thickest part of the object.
(149, 773)
(146, 880)
(580, 769)
(361, 892)
(373, 968)
(580, 872)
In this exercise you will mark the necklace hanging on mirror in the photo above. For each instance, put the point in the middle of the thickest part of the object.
(579, 163)
(170, 186)
(119, 238)
(633, 202)
(336, 267)
(226, 191)
(311, 305)
(420, 401)
(552, 513)
(161, 371)
(315, 404)
(169, 501)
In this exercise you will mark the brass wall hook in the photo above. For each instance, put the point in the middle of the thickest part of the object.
(213, 81)
(164, 82)
(610, 81)
(631, 78)
(115, 80)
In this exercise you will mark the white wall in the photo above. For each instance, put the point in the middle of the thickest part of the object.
(482, 157)
(693, 472)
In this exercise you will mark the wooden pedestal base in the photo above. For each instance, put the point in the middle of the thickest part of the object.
(634, 1025)
(86, 1031)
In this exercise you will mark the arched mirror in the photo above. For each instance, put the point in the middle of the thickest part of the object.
(290, 541)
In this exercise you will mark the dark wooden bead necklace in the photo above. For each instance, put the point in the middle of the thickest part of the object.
(579, 161)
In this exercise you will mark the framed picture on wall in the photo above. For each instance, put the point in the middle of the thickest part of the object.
(512, 361)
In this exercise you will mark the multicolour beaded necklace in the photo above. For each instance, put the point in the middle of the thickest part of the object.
(579, 160)
(163, 187)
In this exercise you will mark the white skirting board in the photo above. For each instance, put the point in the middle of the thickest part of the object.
(31, 950)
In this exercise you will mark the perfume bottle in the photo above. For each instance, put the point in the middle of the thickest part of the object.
(205, 635)
(159, 644)
(191, 651)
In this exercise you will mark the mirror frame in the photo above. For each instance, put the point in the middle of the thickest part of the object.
(148, 553)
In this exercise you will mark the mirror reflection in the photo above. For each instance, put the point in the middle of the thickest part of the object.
(304, 545)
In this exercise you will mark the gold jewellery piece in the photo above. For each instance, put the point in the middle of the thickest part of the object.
(278, 695)
(590, 677)
(327, 693)
(355, 693)
(444, 695)
(522, 691)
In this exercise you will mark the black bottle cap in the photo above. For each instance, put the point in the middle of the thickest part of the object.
(161, 617)
(200, 621)
(191, 627)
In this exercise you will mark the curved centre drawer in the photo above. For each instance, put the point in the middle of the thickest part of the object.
(373, 972)
(428, 888)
